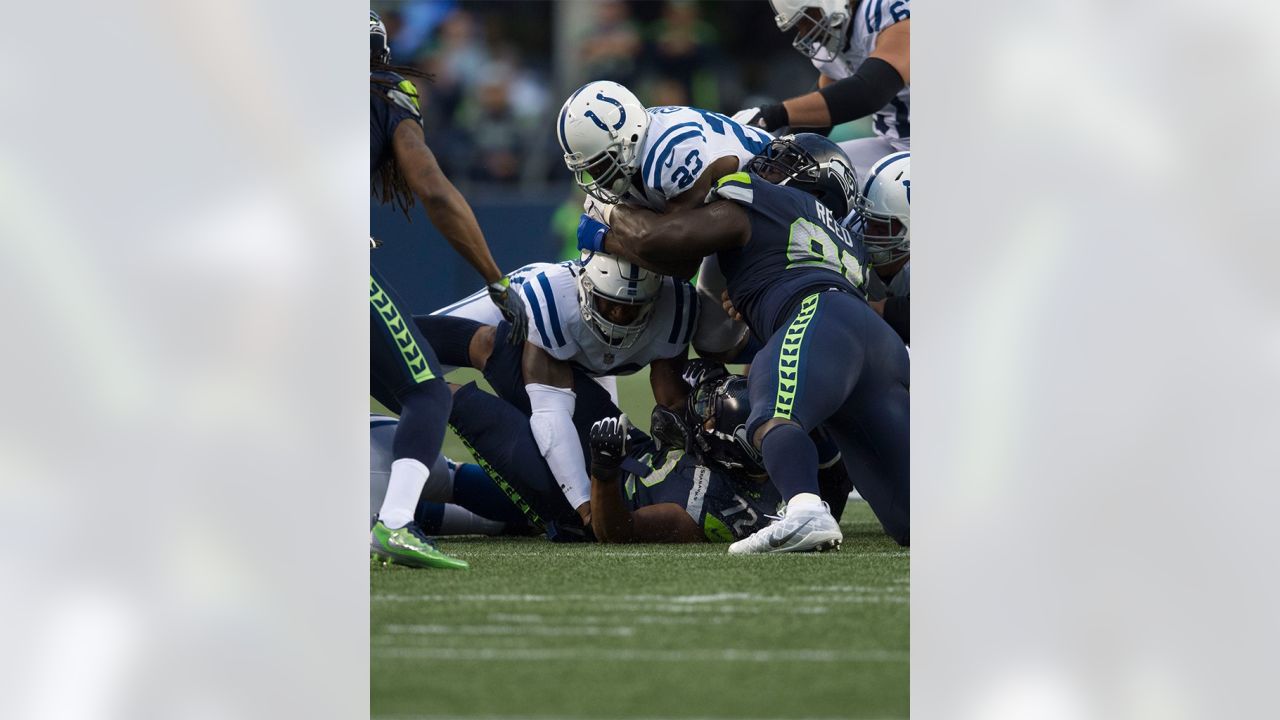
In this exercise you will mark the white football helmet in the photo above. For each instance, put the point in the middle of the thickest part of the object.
(601, 129)
(608, 281)
(885, 207)
(824, 36)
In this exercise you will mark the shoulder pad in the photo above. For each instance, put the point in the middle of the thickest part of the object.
(735, 187)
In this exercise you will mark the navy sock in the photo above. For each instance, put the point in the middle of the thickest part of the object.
(430, 517)
(474, 490)
(792, 460)
(424, 413)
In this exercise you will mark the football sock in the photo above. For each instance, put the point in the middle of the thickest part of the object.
(403, 488)
(461, 521)
(474, 490)
(792, 461)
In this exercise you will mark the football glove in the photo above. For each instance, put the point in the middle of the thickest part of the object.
(765, 117)
(512, 308)
(608, 440)
(591, 234)
(700, 370)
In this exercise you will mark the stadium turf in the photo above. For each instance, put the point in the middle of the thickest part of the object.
(541, 630)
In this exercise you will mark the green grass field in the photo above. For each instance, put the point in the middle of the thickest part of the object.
(541, 630)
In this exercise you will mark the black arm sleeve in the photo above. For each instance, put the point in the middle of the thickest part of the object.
(897, 312)
(866, 91)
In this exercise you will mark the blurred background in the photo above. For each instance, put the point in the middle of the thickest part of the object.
(503, 68)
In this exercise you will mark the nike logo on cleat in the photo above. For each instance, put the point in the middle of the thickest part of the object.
(773, 542)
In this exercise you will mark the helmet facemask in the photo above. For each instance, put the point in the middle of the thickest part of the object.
(614, 168)
(886, 237)
(719, 410)
(379, 49)
(820, 36)
(785, 162)
(618, 335)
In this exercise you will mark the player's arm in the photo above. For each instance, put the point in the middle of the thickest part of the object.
(452, 216)
(876, 81)
(674, 244)
(445, 206)
(666, 379)
(611, 520)
(549, 384)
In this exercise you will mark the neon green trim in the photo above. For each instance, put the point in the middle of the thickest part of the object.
(511, 492)
(660, 473)
(413, 356)
(789, 357)
(714, 530)
(740, 177)
(411, 90)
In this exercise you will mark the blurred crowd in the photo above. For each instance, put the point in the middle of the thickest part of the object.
(501, 70)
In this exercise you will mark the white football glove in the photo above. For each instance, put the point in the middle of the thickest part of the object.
(750, 116)
(598, 210)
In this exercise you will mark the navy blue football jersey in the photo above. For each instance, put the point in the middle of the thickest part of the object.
(726, 510)
(392, 99)
(797, 247)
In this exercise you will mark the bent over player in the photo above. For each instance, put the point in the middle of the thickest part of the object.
(862, 50)
(403, 372)
(796, 275)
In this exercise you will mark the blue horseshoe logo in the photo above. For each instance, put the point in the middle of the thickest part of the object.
(622, 113)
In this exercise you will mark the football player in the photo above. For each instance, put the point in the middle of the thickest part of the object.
(403, 372)
(665, 159)
(644, 489)
(862, 50)
(599, 317)
(884, 211)
(796, 275)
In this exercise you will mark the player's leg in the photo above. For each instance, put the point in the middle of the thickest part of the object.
(796, 382)
(401, 363)
(873, 429)
(459, 498)
(498, 436)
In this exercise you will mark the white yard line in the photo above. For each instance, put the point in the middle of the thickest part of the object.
(617, 717)
(513, 630)
(592, 653)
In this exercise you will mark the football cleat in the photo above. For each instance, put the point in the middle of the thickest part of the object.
(409, 546)
(795, 530)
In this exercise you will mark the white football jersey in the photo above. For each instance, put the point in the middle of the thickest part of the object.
(870, 18)
(550, 292)
(680, 143)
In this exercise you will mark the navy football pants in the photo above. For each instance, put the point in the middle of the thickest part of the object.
(837, 364)
(405, 376)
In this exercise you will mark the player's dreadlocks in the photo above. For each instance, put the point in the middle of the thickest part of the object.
(386, 183)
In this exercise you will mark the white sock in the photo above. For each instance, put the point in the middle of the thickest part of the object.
(404, 487)
(458, 520)
(804, 501)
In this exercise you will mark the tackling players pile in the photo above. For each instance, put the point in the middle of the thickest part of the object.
(802, 273)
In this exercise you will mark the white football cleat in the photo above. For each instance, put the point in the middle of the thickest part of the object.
(795, 530)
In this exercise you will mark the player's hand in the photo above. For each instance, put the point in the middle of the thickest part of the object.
(765, 117)
(750, 116)
(727, 304)
(512, 308)
(591, 234)
(700, 370)
(608, 440)
(598, 210)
